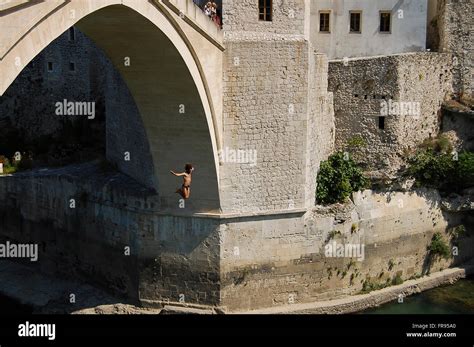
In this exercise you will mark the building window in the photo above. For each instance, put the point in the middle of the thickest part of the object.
(385, 22)
(382, 123)
(324, 21)
(265, 9)
(72, 34)
(355, 21)
(50, 66)
(72, 66)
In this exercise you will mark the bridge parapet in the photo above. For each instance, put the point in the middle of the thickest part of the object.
(194, 16)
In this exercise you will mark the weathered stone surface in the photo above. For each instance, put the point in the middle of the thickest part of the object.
(263, 245)
(362, 85)
(280, 263)
(455, 27)
(365, 301)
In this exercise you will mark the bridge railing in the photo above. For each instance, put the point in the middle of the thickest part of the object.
(192, 12)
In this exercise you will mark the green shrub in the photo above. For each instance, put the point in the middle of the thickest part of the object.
(465, 169)
(397, 280)
(441, 144)
(368, 286)
(442, 170)
(439, 247)
(458, 231)
(8, 167)
(430, 169)
(338, 177)
(356, 142)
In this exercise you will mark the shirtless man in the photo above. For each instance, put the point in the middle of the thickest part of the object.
(185, 190)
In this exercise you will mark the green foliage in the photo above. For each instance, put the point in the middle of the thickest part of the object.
(397, 280)
(443, 171)
(356, 142)
(369, 286)
(430, 169)
(465, 169)
(458, 231)
(338, 177)
(439, 247)
(440, 144)
(8, 167)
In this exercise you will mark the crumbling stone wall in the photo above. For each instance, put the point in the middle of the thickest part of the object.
(272, 261)
(458, 125)
(455, 27)
(27, 110)
(361, 85)
(28, 120)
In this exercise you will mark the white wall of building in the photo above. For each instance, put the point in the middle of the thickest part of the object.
(408, 29)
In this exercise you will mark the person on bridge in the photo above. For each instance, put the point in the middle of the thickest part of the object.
(208, 9)
(185, 190)
(215, 14)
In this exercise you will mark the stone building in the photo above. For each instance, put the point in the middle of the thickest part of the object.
(251, 236)
(342, 28)
(362, 86)
(390, 103)
(276, 102)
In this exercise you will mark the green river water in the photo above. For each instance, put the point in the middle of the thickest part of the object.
(451, 299)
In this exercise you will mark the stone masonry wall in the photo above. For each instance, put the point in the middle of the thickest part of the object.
(27, 110)
(238, 263)
(243, 15)
(281, 260)
(455, 24)
(361, 85)
(265, 109)
(169, 256)
(321, 123)
(275, 102)
(459, 126)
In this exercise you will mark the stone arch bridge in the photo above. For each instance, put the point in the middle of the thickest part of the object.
(255, 86)
(170, 56)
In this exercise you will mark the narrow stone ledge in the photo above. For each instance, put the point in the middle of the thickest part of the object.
(221, 216)
(362, 302)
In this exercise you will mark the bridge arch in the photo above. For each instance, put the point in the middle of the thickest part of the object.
(166, 76)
